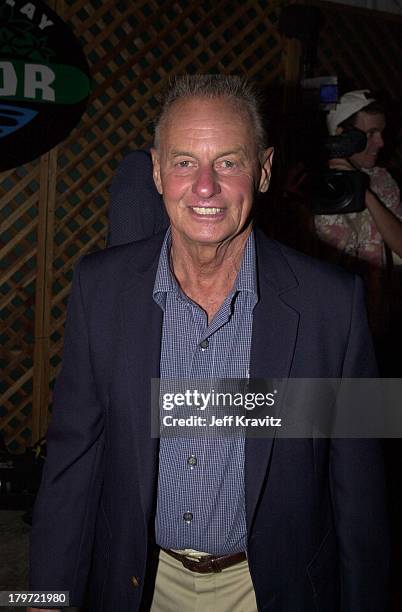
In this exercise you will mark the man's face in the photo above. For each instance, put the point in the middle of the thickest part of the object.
(208, 171)
(373, 126)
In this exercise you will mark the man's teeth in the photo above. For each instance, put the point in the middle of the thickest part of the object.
(206, 211)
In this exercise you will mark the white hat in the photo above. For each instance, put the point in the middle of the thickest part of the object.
(349, 104)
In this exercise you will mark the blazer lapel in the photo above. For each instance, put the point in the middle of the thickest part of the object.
(142, 321)
(275, 327)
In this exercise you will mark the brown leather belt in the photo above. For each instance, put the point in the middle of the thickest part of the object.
(208, 564)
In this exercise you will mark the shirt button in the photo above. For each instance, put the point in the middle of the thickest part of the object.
(188, 517)
(192, 460)
(204, 344)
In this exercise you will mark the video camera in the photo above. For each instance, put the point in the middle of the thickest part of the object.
(329, 191)
(339, 191)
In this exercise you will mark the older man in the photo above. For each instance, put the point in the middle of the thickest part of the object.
(205, 523)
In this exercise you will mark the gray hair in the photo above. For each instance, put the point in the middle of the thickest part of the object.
(213, 86)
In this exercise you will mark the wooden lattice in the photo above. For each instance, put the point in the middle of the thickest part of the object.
(54, 210)
(19, 211)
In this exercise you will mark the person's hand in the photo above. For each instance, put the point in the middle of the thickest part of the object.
(340, 164)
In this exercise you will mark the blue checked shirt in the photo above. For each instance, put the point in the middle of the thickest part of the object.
(201, 500)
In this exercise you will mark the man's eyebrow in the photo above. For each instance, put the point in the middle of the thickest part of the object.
(175, 153)
(235, 151)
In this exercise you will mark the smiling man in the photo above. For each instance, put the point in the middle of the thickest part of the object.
(208, 167)
(189, 523)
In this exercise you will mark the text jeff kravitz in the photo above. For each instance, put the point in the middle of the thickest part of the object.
(225, 421)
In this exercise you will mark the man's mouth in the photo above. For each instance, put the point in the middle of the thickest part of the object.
(201, 210)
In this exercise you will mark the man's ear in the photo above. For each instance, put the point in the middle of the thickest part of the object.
(338, 131)
(266, 169)
(156, 172)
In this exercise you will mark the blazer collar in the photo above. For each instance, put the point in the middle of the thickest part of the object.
(142, 263)
(273, 267)
(275, 319)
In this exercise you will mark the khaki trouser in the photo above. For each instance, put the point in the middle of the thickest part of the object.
(178, 589)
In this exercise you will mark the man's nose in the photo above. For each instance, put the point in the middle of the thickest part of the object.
(379, 140)
(206, 183)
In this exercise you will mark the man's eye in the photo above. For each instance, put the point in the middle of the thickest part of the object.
(227, 163)
(185, 163)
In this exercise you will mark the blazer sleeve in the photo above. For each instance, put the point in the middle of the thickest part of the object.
(358, 489)
(63, 530)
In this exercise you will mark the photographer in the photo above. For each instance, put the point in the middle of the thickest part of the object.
(364, 241)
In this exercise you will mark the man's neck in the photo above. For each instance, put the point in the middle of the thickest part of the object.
(206, 273)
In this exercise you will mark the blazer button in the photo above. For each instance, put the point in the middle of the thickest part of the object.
(135, 581)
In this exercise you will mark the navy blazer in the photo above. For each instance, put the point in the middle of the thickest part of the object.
(317, 537)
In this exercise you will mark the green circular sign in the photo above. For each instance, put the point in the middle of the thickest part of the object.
(44, 81)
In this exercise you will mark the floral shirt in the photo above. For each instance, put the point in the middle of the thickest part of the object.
(356, 234)
(358, 245)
